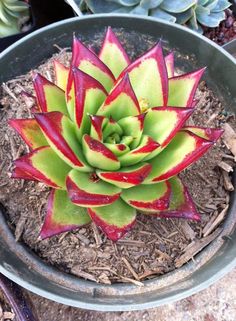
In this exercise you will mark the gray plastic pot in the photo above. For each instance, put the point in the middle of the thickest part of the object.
(19, 264)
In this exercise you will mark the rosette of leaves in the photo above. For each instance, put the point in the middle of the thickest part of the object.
(207, 13)
(110, 139)
(10, 13)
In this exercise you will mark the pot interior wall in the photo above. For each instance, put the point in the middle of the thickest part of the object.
(18, 263)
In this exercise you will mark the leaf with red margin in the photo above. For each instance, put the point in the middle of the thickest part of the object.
(30, 132)
(115, 220)
(148, 77)
(62, 215)
(133, 126)
(121, 101)
(88, 190)
(184, 149)
(117, 149)
(97, 125)
(84, 95)
(147, 145)
(169, 60)
(212, 134)
(49, 96)
(148, 198)
(88, 61)
(43, 165)
(181, 203)
(61, 74)
(111, 48)
(98, 155)
(61, 135)
(183, 88)
(127, 176)
(163, 123)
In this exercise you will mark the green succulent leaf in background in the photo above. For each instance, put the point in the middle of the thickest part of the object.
(10, 13)
(109, 138)
(192, 13)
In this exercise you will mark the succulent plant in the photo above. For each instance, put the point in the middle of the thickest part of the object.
(110, 139)
(207, 13)
(10, 12)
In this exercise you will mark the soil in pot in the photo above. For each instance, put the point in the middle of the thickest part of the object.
(153, 247)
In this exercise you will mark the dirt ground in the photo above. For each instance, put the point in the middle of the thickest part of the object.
(217, 303)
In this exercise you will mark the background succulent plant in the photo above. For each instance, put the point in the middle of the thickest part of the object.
(110, 137)
(207, 13)
(10, 13)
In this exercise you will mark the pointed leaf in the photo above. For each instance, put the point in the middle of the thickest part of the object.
(87, 61)
(49, 96)
(212, 134)
(43, 165)
(182, 88)
(163, 123)
(112, 48)
(19, 173)
(98, 155)
(84, 95)
(61, 135)
(62, 215)
(146, 146)
(61, 74)
(121, 102)
(127, 176)
(133, 126)
(148, 76)
(89, 190)
(148, 198)
(181, 203)
(30, 131)
(181, 152)
(97, 125)
(115, 220)
(169, 60)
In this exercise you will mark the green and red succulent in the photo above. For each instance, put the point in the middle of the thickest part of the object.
(110, 138)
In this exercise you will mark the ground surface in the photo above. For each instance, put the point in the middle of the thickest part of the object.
(217, 303)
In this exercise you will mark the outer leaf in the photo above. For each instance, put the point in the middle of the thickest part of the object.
(112, 48)
(181, 203)
(182, 88)
(126, 177)
(182, 151)
(133, 126)
(148, 76)
(61, 135)
(30, 131)
(84, 95)
(148, 198)
(176, 6)
(62, 215)
(121, 102)
(146, 146)
(212, 134)
(98, 155)
(61, 73)
(88, 190)
(43, 165)
(49, 96)
(163, 123)
(87, 61)
(169, 60)
(115, 220)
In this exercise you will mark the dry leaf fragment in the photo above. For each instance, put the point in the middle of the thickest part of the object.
(229, 138)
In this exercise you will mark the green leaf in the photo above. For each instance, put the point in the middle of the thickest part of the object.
(88, 190)
(115, 220)
(62, 215)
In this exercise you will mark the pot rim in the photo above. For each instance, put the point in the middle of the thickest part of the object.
(104, 306)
